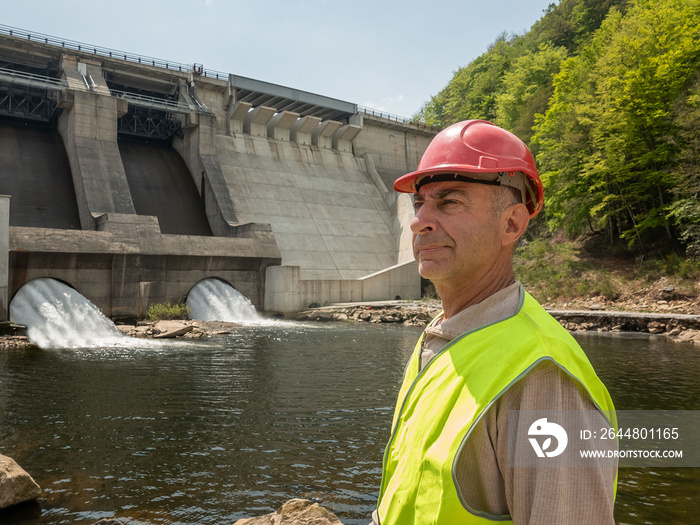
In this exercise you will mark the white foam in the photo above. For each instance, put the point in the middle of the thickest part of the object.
(214, 300)
(57, 316)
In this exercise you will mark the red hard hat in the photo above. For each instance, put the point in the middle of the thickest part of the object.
(474, 147)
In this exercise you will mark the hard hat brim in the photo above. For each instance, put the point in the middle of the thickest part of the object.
(407, 183)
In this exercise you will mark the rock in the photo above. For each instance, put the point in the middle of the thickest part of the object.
(687, 335)
(432, 312)
(168, 329)
(596, 307)
(16, 486)
(655, 327)
(675, 331)
(141, 331)
(295, 512)
(108, 521)
(323, 315)
(424, 316)
(174, 333)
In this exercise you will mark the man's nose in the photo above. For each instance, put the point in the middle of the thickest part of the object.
(423, 221)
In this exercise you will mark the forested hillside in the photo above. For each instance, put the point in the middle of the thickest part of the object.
(607, 95)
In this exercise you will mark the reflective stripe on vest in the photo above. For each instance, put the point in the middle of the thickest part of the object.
(438, 406)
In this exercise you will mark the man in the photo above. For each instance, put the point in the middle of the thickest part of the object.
(494, 350)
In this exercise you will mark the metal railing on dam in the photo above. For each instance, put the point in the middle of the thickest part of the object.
(157, 103)
(28, 79)
(111, 53)
(168, 64)
(395, 118)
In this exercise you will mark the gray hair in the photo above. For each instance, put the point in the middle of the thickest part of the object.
(503, 197)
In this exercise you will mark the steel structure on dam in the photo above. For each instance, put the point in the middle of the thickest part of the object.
(132, 178)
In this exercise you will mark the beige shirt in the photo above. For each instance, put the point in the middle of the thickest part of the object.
(562, 495)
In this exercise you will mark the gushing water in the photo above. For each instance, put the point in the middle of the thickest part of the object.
(214, 300)
(57, 316)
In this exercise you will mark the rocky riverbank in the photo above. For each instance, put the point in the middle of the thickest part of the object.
(595, 317)
(15, 335)
(188, 328)
(664, 317)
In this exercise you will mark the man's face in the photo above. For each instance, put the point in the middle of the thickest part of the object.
(456, 237)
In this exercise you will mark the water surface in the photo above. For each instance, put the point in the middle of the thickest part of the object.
(211, 431)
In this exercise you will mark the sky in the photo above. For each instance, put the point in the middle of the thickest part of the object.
(384, 54)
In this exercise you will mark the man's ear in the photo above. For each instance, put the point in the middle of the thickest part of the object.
(515, 221)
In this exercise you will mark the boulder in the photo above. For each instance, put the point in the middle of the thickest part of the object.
(169, 329)
(295, 512)
(656, 327)
(16, 486)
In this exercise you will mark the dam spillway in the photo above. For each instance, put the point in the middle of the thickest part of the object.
(34, 169)
(161, 186)
(149, 176)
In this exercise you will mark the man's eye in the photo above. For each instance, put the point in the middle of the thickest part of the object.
(417, 205)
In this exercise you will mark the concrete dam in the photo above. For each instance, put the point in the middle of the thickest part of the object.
(131, 179)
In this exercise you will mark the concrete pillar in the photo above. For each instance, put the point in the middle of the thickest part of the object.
(4, 255)
(322, 135)
(255, 122)
(198, 149)
(238, 114)
(279, 126)
(302, 128)
(342, 139)
(282, 289)
(88, 127)
(357, 119)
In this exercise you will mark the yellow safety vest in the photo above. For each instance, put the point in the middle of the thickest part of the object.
(438, 406)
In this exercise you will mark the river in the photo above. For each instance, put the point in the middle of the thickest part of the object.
(210, 431)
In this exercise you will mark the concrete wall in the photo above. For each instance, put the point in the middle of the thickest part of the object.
(310, 193)
(124, 276)
(322, 204)
(403, 213)
(395, 148)
(286, 292)
(397, 282)
(4, 254)
(34, 169)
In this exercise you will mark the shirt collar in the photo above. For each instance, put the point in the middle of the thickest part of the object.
(503, 304)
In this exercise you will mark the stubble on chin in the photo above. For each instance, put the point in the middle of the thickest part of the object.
(428, 267)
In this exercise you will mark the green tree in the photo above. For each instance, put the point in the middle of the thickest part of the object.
(472, 91)
(619, 115)
(685, 208)
(556, 27)
(566, 150)
(526, 88)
